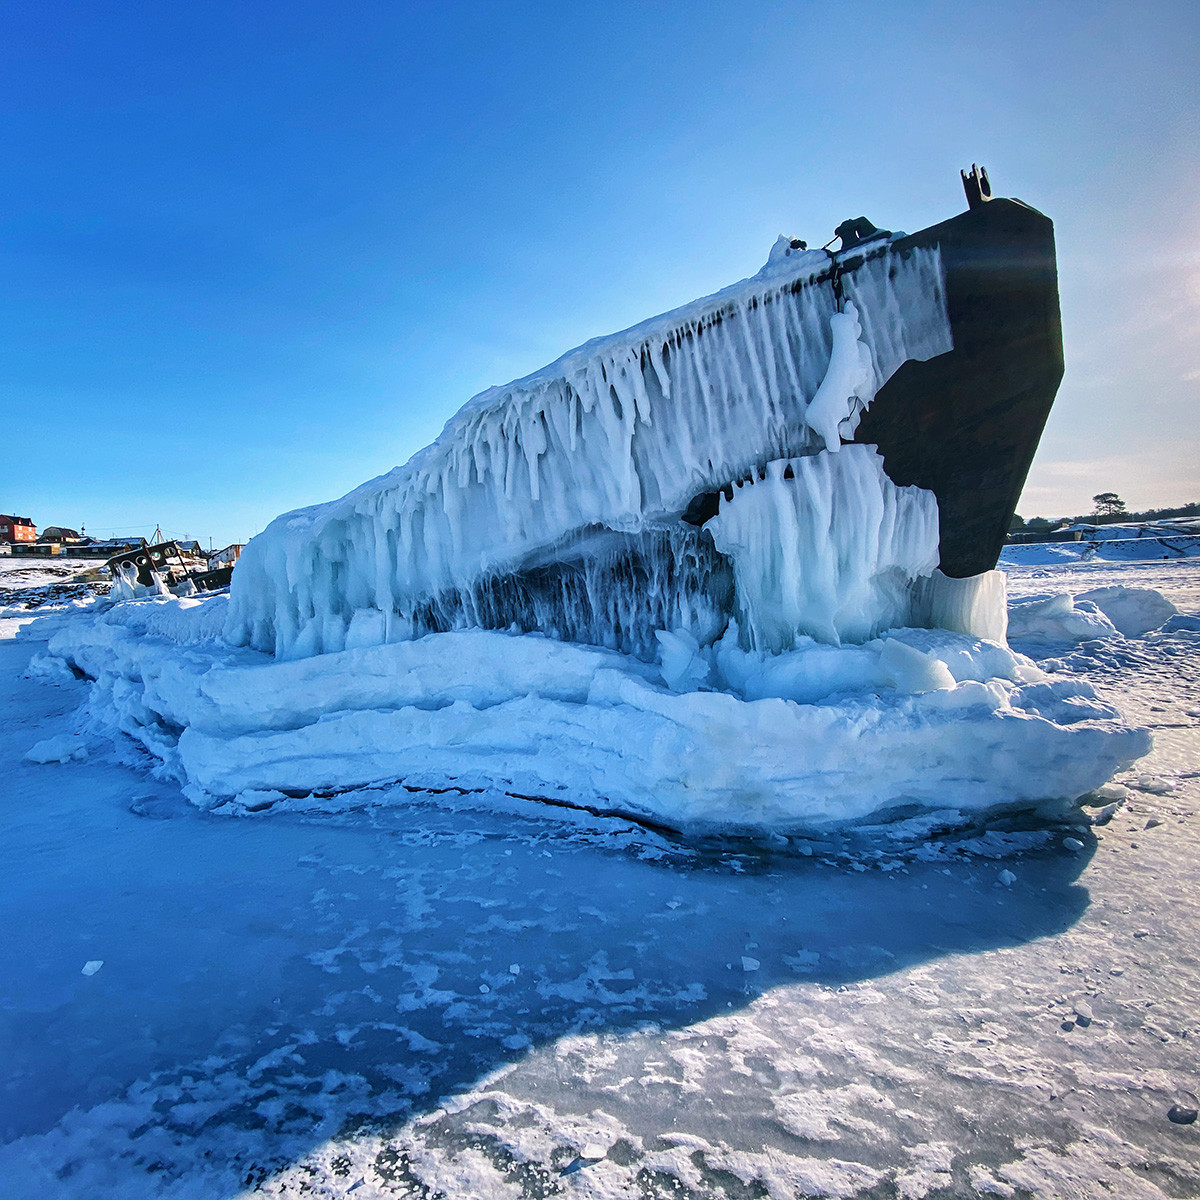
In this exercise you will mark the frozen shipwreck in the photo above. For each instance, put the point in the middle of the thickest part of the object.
(782, 504)
(828, 449)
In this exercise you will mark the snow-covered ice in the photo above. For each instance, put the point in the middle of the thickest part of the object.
(1103, 551)
(28, 582)
(719, 737)
(324, 1004)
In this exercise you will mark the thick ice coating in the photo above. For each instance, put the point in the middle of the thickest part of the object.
(818, 735)
(656, 582)
(826, 546)
(615, 438)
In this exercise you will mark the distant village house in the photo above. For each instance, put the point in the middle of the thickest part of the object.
(16, 529)
(60, 534)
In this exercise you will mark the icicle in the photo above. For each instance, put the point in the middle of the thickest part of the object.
(828, 553)
(850, 377)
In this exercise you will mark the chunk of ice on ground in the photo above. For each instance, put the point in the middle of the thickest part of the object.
(1134, 611)
(683, 667)
(62, 748)
(912, 671)
(1155, 785)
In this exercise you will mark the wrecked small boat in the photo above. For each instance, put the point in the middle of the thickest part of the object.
(178, 568)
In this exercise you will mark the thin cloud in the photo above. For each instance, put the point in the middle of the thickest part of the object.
(1153, 477)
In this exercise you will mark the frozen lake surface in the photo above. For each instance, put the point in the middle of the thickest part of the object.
(457, 997)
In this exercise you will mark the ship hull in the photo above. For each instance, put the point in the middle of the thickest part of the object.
(966, 424)
(963, 425)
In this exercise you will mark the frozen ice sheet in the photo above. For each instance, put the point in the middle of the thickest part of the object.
(328, 1007)
(716, 736)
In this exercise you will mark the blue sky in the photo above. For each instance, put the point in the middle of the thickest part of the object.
(255, 254)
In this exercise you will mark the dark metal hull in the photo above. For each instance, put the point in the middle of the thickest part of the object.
(966, 424)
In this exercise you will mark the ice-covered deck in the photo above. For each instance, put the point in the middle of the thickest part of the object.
(617, 435)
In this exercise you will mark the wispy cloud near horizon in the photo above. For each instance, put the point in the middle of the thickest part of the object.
(1151, 477)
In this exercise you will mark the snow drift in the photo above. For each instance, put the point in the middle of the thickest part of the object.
(1047, 620)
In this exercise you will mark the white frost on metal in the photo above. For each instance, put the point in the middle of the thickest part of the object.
(619, 434)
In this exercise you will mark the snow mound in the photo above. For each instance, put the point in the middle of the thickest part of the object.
(1134, 611)
(50, 670)
(1054, 620)
(812, 737)
(1181, 624)
(63, 748)
(1103, 612)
